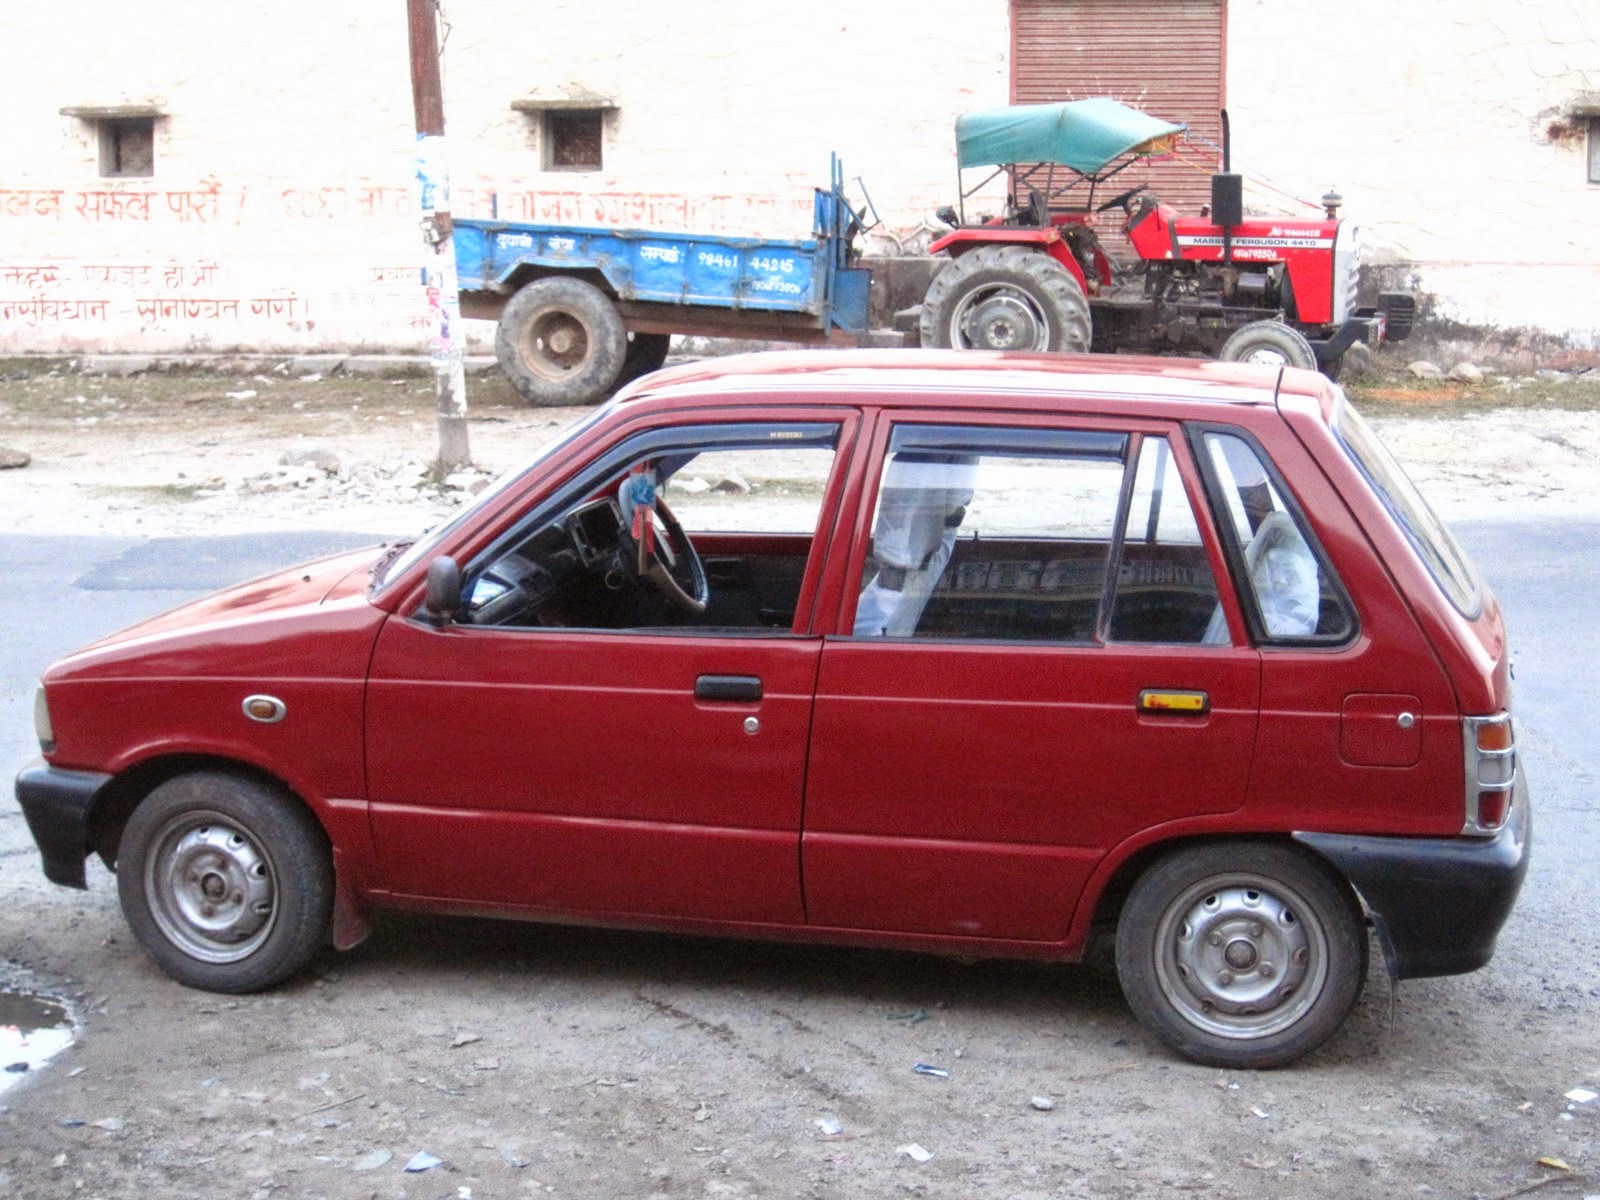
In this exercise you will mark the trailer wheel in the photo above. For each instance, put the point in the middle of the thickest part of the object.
(1271, 343)
(560, 341)
(1006, 298)
(646, 352)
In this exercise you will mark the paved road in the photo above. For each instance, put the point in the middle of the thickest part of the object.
(1455, 1088)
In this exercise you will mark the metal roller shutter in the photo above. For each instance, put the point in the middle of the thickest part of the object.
(1166, 57)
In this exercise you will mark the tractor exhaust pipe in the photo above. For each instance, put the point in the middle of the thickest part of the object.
(1227, 193)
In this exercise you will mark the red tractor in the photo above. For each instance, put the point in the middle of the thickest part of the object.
(1258, 289)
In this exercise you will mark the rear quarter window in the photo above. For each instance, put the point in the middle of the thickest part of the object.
(1446, 561)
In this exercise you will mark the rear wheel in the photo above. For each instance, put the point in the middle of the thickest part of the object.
(227, 882)
(1006, 298)
(1241, 954)
(561, 341)
(1270, 343)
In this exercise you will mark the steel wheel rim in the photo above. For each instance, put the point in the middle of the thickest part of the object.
(556, 344)
(1241, 956)
(1001, 317)
(1267, 356)
(211, 888)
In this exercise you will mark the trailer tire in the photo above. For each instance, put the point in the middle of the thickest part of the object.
(646, 352)
(560, 341)
(1271, 343)
(1006, 298)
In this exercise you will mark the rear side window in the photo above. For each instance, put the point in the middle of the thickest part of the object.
(1290, 591)
(1448, 563)
(1073, 536)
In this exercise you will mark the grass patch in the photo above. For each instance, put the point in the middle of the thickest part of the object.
(1447, 398)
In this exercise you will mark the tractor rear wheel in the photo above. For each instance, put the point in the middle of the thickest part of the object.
(560, 341)
(1006, 298)
(1271, 343)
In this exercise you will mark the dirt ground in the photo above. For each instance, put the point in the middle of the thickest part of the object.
(535, 1061)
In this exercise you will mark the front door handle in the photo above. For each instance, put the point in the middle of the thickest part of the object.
(746, 688)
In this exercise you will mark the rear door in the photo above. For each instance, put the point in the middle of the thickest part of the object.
(1033, 664)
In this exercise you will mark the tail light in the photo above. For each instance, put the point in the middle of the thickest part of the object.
(1491, 761)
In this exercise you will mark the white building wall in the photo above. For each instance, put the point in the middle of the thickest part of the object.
(1434, 121)
(283, 215)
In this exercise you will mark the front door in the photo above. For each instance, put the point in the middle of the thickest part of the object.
(588, 737)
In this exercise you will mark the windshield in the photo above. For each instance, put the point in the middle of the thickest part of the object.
(424, 545)
(1448, 563)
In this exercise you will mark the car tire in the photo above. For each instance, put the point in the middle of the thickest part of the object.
(1006, 298)
(1269, 343)
(560, 341)
(1241, 954)
(226, 881)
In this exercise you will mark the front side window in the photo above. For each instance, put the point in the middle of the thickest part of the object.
(1294, 593)
(689, 528)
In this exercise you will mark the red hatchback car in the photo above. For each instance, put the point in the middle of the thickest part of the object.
(956, 653)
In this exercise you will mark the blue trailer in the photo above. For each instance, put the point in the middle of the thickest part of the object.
(581, 310)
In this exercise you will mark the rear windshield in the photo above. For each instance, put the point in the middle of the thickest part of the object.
(1448, 563)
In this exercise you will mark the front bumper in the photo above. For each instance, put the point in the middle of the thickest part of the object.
(57, 805)
(1438, 903)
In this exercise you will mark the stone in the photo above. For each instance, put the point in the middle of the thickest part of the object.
(732, 482)
(1465, 373)
(11, 459)
(320, 457)
(1422, 369)
(116, 364)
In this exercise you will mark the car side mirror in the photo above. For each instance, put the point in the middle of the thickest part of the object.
(444, 590)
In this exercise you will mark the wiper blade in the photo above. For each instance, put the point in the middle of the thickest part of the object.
(378, 569)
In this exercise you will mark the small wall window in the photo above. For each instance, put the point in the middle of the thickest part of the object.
(573, 140)
(127, 147)
(125, 136)
(1594, 149)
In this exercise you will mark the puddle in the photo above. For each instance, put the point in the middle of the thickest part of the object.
(33, 1029)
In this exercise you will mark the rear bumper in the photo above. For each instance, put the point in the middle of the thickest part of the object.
(1438, 903)
(56, 804)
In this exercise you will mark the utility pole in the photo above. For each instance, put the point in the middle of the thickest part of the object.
(444, 299)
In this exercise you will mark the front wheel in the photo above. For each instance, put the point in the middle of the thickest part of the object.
(1241, 954)
(561, 341)
(1269, 343)
(1006, 298)
(228, 883)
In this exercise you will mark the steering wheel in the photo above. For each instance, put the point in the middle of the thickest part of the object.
(1122, 198)
(666, 559)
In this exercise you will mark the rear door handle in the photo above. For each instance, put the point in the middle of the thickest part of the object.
(1174, 702)
(728, 687)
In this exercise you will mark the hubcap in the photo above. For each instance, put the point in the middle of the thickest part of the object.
(1267, 357)
(1000, 318)
(210, 888)
(555, 344)
(1240, 957)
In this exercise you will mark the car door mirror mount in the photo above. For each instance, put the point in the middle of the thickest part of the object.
(444, 591)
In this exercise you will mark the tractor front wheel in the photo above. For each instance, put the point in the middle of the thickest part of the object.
(1270, 343)
(1006, 298)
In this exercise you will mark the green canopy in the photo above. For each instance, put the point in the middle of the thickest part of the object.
(1082, 134)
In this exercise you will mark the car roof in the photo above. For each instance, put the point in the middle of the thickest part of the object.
(940, 378)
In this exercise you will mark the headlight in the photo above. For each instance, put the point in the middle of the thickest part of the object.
(41, 721)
